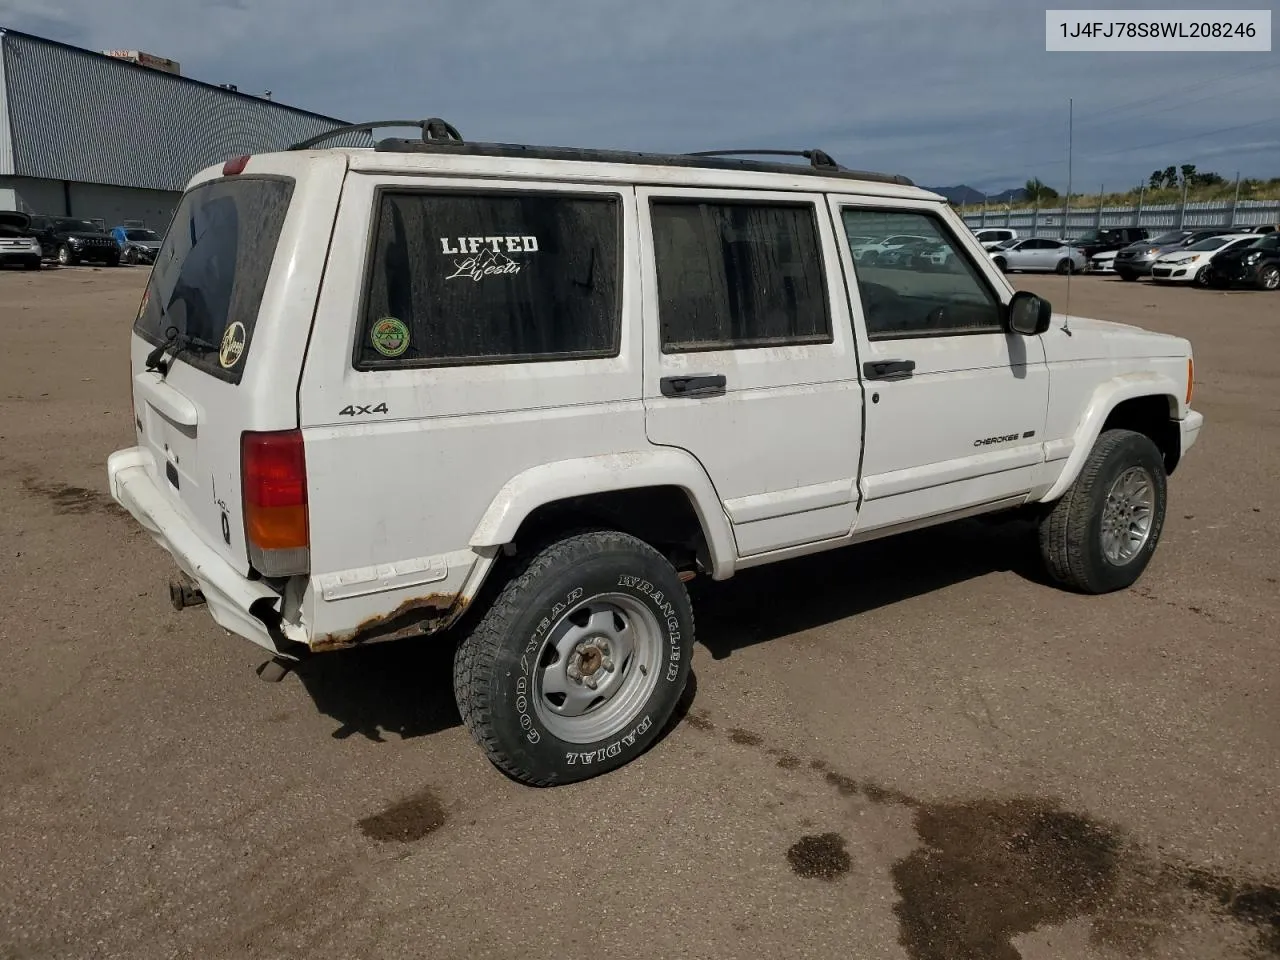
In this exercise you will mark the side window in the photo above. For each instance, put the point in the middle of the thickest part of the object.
(737, 275)
(465, 278)
(937, 292)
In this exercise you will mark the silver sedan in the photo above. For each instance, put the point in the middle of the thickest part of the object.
(1038, 254)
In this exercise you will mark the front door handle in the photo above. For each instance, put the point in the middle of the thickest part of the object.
(888, 369)
(699, 385)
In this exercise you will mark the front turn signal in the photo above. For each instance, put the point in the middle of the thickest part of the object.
(1191, 379)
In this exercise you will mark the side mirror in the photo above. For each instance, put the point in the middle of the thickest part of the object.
(1029, 314)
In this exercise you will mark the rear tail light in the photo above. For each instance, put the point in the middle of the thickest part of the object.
(273, 473)
(234, 166)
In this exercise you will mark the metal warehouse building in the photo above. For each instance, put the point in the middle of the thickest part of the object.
(98, 137)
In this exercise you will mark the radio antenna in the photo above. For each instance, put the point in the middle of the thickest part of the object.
(1066, 225)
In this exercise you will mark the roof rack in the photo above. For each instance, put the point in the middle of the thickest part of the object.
(440, 136)
(819, 159)
(432, 129)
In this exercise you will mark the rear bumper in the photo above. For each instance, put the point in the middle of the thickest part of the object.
(232, 599)
(1190, 427)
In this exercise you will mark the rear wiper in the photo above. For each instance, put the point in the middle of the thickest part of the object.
(175, 343)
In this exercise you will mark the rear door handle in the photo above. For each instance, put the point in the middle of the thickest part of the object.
(699, 385)
(888, 369)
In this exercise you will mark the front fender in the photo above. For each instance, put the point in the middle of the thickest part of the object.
(657, 467)
(1105, 398)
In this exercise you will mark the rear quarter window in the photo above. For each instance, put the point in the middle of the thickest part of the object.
(491, 277)
(211, 272)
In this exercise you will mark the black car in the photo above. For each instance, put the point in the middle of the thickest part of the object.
(17, 243)
(71, 241)
(1256, 264)
(1108, 238)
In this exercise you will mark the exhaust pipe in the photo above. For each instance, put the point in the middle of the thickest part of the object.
(183, 592)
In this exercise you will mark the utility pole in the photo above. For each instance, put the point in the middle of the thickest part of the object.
(1235, 203)
(1066, 211)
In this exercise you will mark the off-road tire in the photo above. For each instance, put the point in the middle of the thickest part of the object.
(493, 668)
(1071, 532)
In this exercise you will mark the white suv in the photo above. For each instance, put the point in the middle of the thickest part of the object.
(527, 393)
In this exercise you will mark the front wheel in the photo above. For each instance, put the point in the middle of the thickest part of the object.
(580, 662)
(1101, 534)
(1126, 275)
(130, 256)
(1002, 264)
(1065, 266)
(65, 257)
(1269, 278)
(1202, 277)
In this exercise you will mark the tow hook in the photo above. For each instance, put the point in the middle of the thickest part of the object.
(183, 592)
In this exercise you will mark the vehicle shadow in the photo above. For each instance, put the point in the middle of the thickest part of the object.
(765, 603)
(404, 689)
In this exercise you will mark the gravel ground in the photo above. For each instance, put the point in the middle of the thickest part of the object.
(911, 749)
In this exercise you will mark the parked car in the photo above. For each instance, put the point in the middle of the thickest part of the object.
(1108, 238)
(1191, 264)
(871, 252)
(990, 237)
(1263, 228)
(386, 397)
(18, 244)
(71, 241)
(1103, 262)
(1255, 264)
(1037, 254)
(1136, 259)
(137, 244)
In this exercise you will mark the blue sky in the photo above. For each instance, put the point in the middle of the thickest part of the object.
(945, 92)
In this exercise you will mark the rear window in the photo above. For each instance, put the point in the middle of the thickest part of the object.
(211, 272)
(467, 278)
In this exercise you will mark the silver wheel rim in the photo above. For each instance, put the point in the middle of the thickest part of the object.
(64, 255)
(1126, 516)
(597, 668)
(1271, 278)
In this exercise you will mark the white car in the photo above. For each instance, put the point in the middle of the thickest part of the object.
(1037, 254)
(1190, 264)
(1104, 262)
(513, 398)
(992, 237)
(873, 251)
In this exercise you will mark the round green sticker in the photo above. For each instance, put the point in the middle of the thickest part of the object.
(390, 337)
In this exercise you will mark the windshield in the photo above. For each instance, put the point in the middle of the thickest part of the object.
(80, 226)
(1270, 242)
(1212, 243)
(142, 235)
(1172, 237)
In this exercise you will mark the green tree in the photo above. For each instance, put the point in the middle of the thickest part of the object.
(1038, 191)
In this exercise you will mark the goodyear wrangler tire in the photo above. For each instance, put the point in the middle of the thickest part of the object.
(580, 662)
(1102, 532)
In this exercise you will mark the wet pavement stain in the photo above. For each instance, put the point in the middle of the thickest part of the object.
(819, 856)
(699, 720)
(788, 761)
(989, 870)
(406, 820)
(72, 500)
(1256, 904)
(745, 737)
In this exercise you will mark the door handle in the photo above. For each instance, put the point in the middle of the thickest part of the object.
(888, 369)
(699, 385)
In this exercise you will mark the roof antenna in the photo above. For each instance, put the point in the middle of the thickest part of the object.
(1066, 312)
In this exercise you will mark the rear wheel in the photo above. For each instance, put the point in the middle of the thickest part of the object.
(1101, 534)
(580, 662)
(1269, 277)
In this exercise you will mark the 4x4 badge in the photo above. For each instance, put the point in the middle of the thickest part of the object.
(232, 348)
(390, 337)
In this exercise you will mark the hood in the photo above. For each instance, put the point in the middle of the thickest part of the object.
(1092, 339)
(144, 244)
(85, 235)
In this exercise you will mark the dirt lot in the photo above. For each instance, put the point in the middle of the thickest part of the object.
(912, 749)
